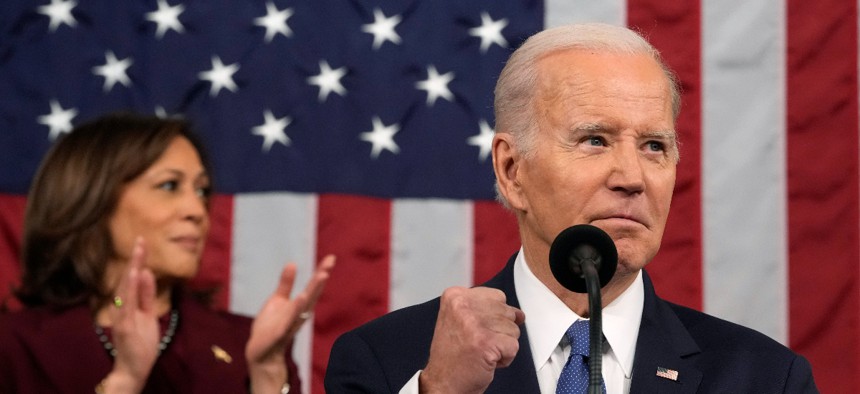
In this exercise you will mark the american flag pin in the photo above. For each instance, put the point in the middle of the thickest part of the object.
(667, 373)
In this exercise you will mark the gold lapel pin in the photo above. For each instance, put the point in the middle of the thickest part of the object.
(221, 354)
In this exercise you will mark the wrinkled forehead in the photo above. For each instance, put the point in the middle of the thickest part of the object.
(580, 66)
(591, 66)
(584, 76)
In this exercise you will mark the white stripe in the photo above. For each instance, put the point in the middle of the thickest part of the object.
(743, 157)
(562, 12)
(431, 249)
(270, 230)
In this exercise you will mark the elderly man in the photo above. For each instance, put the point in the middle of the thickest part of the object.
(585, 118)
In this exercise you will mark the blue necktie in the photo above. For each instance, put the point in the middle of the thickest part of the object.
(574, 376)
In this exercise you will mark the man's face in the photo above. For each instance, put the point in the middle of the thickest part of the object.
(604, 153)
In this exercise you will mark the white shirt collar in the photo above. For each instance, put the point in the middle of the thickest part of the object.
(547, 317)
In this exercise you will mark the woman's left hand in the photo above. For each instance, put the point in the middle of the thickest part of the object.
(276, 325)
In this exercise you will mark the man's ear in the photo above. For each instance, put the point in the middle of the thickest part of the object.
(506, 165)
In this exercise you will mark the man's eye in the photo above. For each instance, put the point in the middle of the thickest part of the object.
(595, 141)
(656, 146)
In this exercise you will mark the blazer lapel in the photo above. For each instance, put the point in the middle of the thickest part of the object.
(664, 350)
(663, 346)
(520, 376)
(60, 340)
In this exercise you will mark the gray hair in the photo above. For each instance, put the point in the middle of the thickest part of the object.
(516, 86)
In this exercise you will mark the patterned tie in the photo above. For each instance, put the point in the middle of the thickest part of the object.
(574, 376)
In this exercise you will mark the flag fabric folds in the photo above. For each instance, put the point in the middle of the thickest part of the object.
(362, 128)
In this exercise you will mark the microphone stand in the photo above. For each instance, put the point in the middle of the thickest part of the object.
(595, 326)
(583, 258)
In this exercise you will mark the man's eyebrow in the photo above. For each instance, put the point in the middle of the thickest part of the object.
(663, 135)
(590, 127)
(600, 128)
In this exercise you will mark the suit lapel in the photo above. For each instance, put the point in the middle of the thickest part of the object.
(664, 349)
(663, 345)
(520, 376)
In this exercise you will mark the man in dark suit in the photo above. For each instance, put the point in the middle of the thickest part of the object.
(585, 133)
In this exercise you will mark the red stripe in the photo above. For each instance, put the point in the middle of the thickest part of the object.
(497, 237)
(823, 197)
(11, 229)
(358, 231)
(674, 28)
(215, 264)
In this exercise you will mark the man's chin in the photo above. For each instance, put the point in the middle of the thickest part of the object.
(630, 259)
(626, 269)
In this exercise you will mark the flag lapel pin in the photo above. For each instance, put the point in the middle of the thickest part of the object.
(667, 373)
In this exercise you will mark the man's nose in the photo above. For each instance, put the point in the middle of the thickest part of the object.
(627, 172)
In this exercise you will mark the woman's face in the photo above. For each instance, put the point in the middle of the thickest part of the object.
(166, 205)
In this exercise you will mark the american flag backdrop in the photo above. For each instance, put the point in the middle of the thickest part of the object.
(362, 128)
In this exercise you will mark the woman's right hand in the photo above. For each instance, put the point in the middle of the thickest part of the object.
(135, 326)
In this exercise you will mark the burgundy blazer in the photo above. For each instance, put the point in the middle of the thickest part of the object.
(44, 351)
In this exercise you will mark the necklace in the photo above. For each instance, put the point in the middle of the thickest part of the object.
(162, 344)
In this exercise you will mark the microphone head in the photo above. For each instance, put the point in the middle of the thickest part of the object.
(578, 243)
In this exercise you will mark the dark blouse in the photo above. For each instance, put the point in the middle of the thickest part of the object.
(44, 351)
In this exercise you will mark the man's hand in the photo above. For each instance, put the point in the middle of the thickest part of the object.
(476, 332)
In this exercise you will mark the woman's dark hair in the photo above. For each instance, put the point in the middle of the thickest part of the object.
(67, 241)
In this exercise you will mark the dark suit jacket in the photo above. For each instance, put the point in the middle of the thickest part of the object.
(44, 351)
(709, 354)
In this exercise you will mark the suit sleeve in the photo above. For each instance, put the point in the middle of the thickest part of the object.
(800, 377)
(353, 367)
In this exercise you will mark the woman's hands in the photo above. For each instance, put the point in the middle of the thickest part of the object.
(277, 323)
(135, 326)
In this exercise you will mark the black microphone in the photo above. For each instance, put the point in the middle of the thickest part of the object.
(583, 259)
(577, 245)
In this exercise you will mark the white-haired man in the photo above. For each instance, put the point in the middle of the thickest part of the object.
(585, 134)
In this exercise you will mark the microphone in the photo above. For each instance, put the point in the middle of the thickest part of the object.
(581, 244)
(583, 259)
